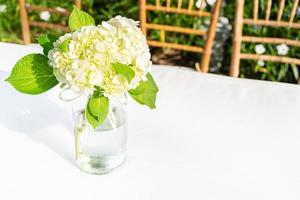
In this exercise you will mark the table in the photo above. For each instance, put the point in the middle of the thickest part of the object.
(211, 137)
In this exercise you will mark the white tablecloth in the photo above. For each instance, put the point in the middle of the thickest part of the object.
(211, 137)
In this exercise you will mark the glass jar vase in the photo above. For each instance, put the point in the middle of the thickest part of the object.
(103, 149)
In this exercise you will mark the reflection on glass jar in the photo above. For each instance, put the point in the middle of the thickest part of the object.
(101, 150)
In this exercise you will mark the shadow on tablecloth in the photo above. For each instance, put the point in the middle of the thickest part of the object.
(39, 118)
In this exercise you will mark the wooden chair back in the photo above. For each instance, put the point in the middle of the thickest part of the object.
(27, 23)
(167, 8)
(238, 36)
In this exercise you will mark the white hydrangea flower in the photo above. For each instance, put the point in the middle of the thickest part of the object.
(200, 4)
(93, 50)
(260, 49)
(261, 63)
(3, 8)
(60, 9)
(211, 2)
(45, 15)
(282, 49)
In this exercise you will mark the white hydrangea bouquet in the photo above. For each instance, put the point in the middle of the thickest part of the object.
(101, 63)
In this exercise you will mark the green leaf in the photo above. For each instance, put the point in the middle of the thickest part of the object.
(32, 75)
(79, 19)
(124, 70)
(295, 71)
(97, 110)
(145, 93)
(64, 47)
(46, 41)
(93, 120)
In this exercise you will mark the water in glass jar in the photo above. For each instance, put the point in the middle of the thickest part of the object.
(101, 150)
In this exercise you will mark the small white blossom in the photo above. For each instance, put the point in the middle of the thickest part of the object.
(282, 49)
(45, 15)
(224, 20)
(3, 8)
(260, 49)
(211, 2)
(60, 9)
(96, 78)
(200, 4)
(206, 21)
(261, 63)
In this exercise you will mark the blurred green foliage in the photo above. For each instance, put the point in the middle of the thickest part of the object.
(10, 30)
(270, 71)
(10, 27)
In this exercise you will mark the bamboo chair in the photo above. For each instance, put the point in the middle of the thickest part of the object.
(238, 36)
(210, 34)
(26, 23)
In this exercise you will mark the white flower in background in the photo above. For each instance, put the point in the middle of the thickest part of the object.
(45, 15)
(206, 21)
(219, 25)
(229, 26)
(298, 11)
(260, 49)
(282, 49)
(200, 4)
(60, 9)
(93, 49)
(261, 63)
(211, 2)
(3, 8)
(224, 20)
(224, 23)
